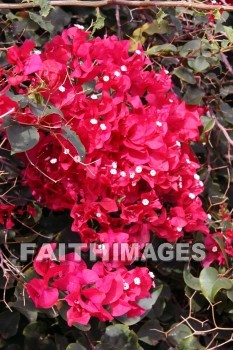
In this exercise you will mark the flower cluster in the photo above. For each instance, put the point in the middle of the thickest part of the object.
(99, 292)
(139, 174)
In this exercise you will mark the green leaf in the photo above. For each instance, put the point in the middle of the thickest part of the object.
(208, 123)
(230, 294)
(45, 7)
(161, 15)
(221, 283)
(190, 46)
(148, 334)
(182, 337)
(99, 23)
(71, 136)
(9, 322)
(118, 337)
(226, 90)
(185, 74)
(229, 33)
(194, 95)
(22, 137)
(199, 64)
(35, 329)
(156, 27)
(41, 111)
(76, 346)
(190, 280)
(207, 279)
(46, 25)
(161, 48)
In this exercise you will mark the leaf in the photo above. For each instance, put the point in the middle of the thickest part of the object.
(76, 346)
(208, 123)
(45, 7)
(71, 136)
(185, 74)
(148, 334)
(190, 46)
(155, 27)
(161, 15)
(35, 329)
(46, 25)
(118, 337)
(221, 283)
(41, 111)
(226, 90)
(230, 294)
(182, 337)
(190, 280)
(199, 64)
(207, 279)
(22, 137)
(161, 48)
(99, 23)
(146, 304)
(194, 95)
(229, 33)
(9, 322)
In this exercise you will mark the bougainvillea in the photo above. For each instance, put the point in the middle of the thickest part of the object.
(109, 140)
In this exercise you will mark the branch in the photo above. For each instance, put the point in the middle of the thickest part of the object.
(129, 3)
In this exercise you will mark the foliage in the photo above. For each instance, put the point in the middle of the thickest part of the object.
(191, 306)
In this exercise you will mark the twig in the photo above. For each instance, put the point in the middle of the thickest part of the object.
(142, 4)
(226, 62)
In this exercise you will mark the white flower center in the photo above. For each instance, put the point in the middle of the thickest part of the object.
(93, 121)
(117, 74)
(145, 201)
(192, 195)
(77, 159)
(196, 177)
(103, 126)
(53, 160)
(132, 175)
(106, 78)
(62, 88)
(94, 97)
(123, 68)
(126, 286)
(113, 171)
(152, 172)
(138, 169)
(137, 281)
(79, 26)
(151, 274)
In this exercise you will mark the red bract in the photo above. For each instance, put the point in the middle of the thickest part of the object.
(139, 175)
(98, 292)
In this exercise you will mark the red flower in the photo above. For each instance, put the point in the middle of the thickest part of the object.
(42, 295)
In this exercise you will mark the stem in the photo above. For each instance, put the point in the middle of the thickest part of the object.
(129, 3)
